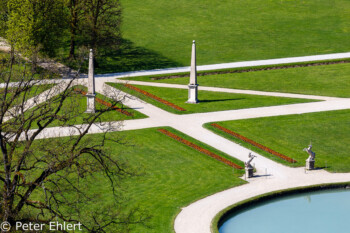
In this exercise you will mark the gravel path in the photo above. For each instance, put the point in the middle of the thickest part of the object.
(270, 176)
(242, 64)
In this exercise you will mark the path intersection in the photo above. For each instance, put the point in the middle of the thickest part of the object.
(269, 176)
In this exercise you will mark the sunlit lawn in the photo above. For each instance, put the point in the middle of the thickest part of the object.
(326, 80)
(170, 176)
(241, 30)
(327, 131)
(208, 101)
(76, 105)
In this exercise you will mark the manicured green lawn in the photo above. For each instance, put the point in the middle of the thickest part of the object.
(328, 131)
(328, 80)
(170, 176)
(227, 31)
(75, 106)
(209, 101)
(24, 95)
(175, 176)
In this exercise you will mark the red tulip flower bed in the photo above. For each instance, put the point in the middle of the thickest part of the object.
(236, 135)
(174, 106)
(105, 103)
(200, 149)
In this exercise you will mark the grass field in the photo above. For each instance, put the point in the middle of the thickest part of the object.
(175, 176)
(328, 80)
(76, 104)
(208, 101)
(24, 95)
(160, 33)
(289, 135)
(170, 176)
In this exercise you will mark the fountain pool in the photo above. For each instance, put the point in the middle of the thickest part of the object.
(314, 212)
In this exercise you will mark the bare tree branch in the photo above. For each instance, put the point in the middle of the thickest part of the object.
(55, 170)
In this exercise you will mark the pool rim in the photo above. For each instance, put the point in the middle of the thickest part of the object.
(235, 208)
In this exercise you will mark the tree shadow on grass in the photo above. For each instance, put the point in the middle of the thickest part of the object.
(130, 57)
(219, 100)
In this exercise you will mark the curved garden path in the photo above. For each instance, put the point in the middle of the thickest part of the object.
(270, 176)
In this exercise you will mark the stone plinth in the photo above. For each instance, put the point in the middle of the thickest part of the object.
(90, 103)
(249, 171)
(310, 164)
(90, 96)
(192, 94)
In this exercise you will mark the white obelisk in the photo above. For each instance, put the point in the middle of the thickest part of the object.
(193, 86)
(91, 85)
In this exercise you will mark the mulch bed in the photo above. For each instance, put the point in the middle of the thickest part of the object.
(200, 149)
(252, 69)
(105, 103)
(174, 106)
(236, 135)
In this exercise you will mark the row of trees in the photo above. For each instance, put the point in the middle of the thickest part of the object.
(33, 26)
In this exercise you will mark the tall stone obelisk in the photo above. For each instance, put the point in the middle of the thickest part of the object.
(193, 86)
(91, 85)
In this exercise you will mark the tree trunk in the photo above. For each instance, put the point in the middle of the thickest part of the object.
(73, 28)
(72, 44)
(6, 202)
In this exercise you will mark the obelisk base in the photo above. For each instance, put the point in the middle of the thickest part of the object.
(90, 103)
(310, 164)
(192, 94)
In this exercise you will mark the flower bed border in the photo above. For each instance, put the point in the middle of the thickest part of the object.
(105, 103)
(160, 100)
(253, 143)
(200, 149)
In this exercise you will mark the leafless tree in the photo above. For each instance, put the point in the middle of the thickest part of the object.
(57, 178)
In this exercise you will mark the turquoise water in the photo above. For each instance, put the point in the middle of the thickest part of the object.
(315, 212)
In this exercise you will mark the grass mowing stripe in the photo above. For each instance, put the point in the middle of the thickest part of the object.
(105, 103)
(200, 149)
(236, 135)
(174, 106)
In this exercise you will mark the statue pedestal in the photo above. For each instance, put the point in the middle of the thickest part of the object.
(90, 103)
(249, 172)
(310, 164)
(192, 94)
